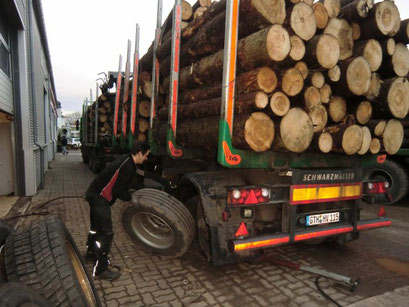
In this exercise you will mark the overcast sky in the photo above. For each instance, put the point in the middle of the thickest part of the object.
(85, 38)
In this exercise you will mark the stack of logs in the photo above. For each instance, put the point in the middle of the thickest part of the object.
(329, 76)
(105, 117)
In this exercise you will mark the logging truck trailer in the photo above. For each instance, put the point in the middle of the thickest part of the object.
(237, 202)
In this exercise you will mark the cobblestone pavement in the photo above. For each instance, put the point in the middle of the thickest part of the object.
(190, 280)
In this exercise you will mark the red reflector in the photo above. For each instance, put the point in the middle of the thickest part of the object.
(251, 198)
(381, 212)
(242, 231)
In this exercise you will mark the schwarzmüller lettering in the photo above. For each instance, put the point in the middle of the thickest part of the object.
(328, 177)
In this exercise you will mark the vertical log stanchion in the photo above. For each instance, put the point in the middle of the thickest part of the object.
(117, 98)
(134, 118)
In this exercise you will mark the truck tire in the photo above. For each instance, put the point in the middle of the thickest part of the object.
(13, 294)
(397, 177)
(159, 222)
(46, 258)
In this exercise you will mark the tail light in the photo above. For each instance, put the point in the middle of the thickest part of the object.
(251, 196)
(377, 187)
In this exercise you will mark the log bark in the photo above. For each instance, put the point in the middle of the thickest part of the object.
(383, 20)
(366, 141)
(243, 104)
(392, 137)
(393, 98)
(261, 79)
(292, 82)
(325, 93)
(334, 73)
(333, 7)
(343, 33)
(296, 130)
(321, 15)
(355, 10)
(279, 104)
(319, 117)
(374, 87)
(337, 109)
(371, 50)
(398, 64)
(303, 69)
(254, 131)
(322, 50)
(302, 21)
(403, 34)
(355, 77)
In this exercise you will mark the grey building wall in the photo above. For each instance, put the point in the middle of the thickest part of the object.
(34, 98)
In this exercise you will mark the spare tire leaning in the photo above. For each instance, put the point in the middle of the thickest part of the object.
(13, 294)
(46, 258)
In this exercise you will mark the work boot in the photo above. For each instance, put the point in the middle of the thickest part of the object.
(89, 256)
(108, 274)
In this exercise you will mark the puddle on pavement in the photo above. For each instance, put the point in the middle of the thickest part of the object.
(399, 267)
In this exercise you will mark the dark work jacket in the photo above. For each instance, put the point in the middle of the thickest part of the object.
(113, 182)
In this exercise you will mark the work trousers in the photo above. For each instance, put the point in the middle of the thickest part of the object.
(101, 233)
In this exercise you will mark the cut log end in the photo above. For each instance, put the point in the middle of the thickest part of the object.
(400, 60)
(375, 146)
(319, 117)
(292, 82)
(260, 100)
(267, 79)
(321, 15)
(380, 128)
(144, 108)
(303, 21)
(303, 69)
(337, 109)
(325, 93)
(333, 7)
(273, 11)
(296, 130)
(187, 10)
(352, 139)
(373, 54)
(356, 31)
(325, 142)
(389, 46)
(334, 73)
(387, 18)
(343, 33)
(398, 97)
(278, 43)
(312, 97)
(366, 141)
(374, 88)
(364, 112)
(318, 79)
(259, 131)
(393, 136)
(358, 76)
(297, 51)
(279, 104)
(328, 51)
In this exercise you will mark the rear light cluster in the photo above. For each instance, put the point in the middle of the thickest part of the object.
(252, 196)
(377, 187)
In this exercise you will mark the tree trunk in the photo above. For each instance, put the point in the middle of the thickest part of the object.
(261, 79)
(254, 131)
(296, 130)
(374, 87)
(383, 20)
(355, 77)
(292, 82)
(403, 35)
(321, 15)
(343, 33)
(355, 10)
(322, 50)
(366, 141)
(337, 109)
(393, 98)
(392, 137)
(279, 104)
(325, 93)
(334, 73)
(371, 50)
(333, 7)
(398, 64)
(319, 117)
(243, 104)
(302, 21)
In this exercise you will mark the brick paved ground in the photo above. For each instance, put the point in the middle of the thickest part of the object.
(190, 280)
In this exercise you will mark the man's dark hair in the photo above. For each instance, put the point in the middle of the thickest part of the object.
(139, 146)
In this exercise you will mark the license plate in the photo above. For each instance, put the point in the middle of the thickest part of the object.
(324, 218)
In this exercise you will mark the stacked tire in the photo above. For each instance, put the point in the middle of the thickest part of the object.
(45, 258)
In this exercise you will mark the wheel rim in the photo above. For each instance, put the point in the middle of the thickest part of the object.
(152, 230)
(82, 276)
